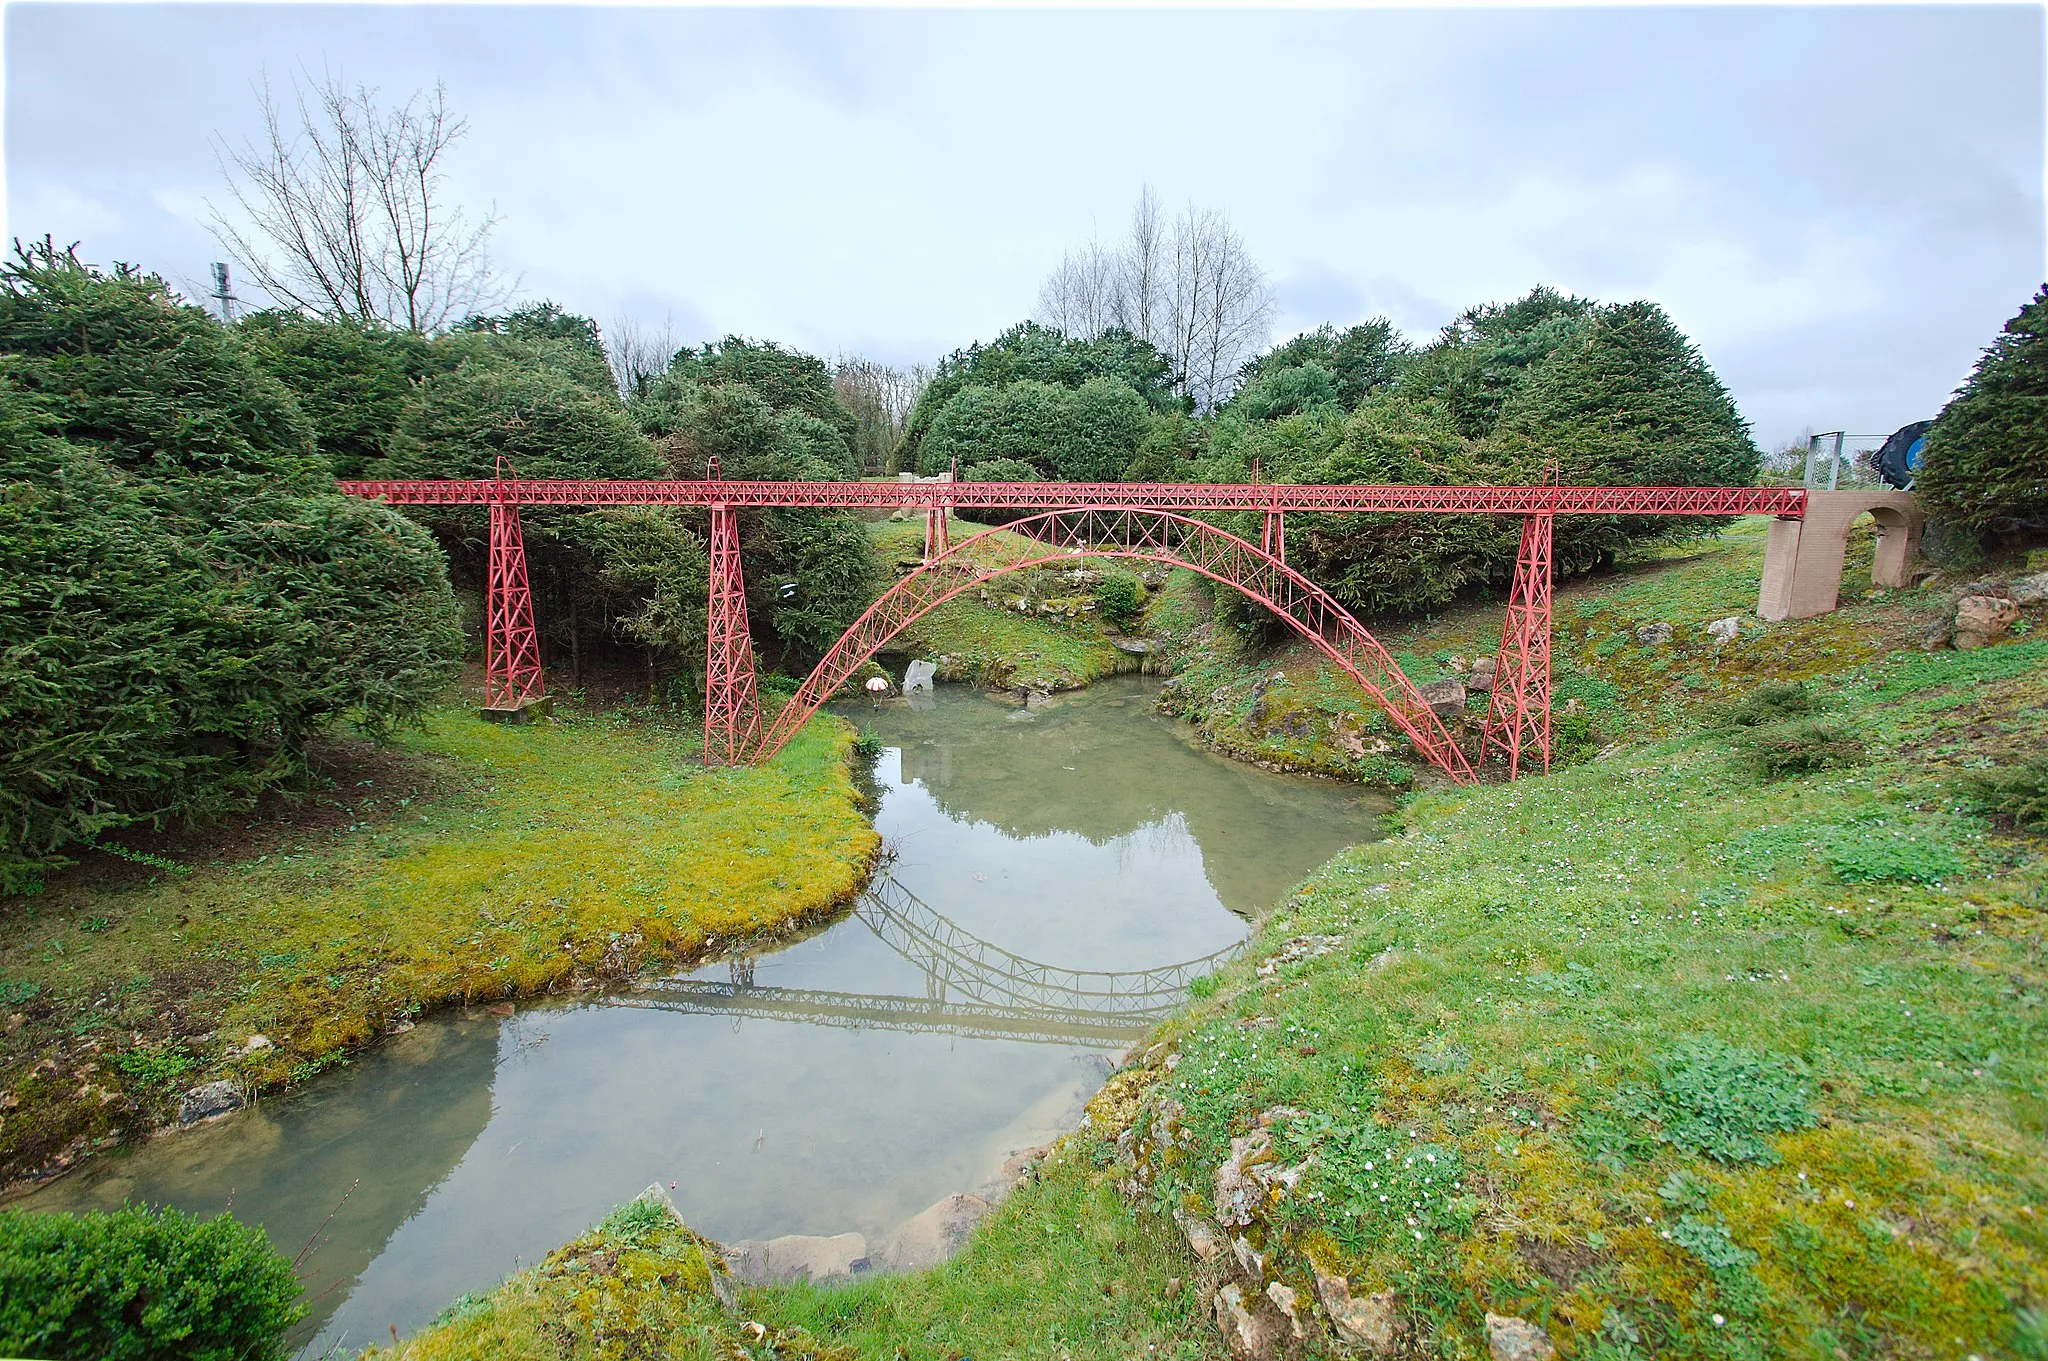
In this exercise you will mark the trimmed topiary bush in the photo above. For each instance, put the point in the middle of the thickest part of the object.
(138, 1284)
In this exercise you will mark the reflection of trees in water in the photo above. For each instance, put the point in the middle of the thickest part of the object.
(972, 986)
(440, 1097)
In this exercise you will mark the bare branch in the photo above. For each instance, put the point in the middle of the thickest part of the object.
(344, 216)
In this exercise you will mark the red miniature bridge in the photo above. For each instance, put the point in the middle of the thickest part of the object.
(1147, 521)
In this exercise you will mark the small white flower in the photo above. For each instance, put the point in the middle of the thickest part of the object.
(1718, 1320)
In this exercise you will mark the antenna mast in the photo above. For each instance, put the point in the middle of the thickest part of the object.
(223, 293)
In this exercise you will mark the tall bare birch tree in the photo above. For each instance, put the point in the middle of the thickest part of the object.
(1189, 286)
(341, 210)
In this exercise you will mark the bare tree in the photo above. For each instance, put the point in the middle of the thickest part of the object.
(1188, 286)
(1141, 277)
(639, 351)
(343, 213)
(1081, 296)
(1221, 305)
(880, 398)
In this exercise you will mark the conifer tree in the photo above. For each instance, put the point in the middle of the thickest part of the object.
(1987, 455)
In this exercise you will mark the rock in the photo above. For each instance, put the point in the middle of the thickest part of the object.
(1938, 634)
(256, 1044)
(1480, 682)
(1250, 1261)
(1203, 1239)
(501, 1010)
(209, 1101)
(1367, 1324)
(918, 676)
(797, 1257)
(1988, 586)
(1982, 620)
(1724, 630)
(1516, 1339)
(1654, 635)
(1020, 1164)
(2031, 590)
(930, 1237)
(1251, 1333)
(1284, 1299)
(1445, 698)
(1173, 1287)
(1236, 1193)
(1485, 666)
(723, 1287)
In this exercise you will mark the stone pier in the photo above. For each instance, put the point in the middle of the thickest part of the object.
(1803, 558)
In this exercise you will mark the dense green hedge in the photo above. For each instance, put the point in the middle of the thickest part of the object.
(1513, 393)
(142, 1285)
(1987, 455)
(184, 599)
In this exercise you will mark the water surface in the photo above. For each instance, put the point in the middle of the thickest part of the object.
(1050, 868)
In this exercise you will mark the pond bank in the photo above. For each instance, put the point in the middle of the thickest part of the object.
(514, 861)
(1666, 1054)
(1057, 880)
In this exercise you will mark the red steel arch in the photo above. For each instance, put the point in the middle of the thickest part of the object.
(1151, 536)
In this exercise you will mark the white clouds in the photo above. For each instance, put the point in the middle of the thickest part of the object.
(1840, 205)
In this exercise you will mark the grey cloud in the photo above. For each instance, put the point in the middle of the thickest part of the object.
(1839, 204)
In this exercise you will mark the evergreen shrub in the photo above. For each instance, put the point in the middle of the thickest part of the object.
(1778, 751)
(2019, 792)
(1121, 598)
(1986, 467)
(138, 1284)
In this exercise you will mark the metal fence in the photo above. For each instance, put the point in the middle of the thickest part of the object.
(1840, 461)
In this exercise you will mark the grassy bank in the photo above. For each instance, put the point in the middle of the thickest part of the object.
(475, 862)
(1292, 709)
(1055, 642)
(1726, 1043)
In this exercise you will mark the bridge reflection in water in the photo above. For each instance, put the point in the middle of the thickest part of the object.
(972, 986)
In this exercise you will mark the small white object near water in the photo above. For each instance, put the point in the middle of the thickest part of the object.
(877, 685)
(918, 676)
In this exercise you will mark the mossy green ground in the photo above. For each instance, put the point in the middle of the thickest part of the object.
(1667, 1058)
(502, 861)
(989, 641)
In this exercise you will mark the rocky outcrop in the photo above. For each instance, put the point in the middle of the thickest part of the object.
(797, 1257)
(930, 1237)
(1367, 1325)
(1982, 620)
(1252, 1328)
(1445, 698)
(1654, 635)
(1516, 1339)
(210, 1102)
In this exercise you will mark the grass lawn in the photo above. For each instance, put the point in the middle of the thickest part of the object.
(495, 861)
(990, 642)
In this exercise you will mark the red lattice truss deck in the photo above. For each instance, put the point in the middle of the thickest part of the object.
(1149, 521)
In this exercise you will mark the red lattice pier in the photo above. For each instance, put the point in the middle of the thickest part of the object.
(1152, 522)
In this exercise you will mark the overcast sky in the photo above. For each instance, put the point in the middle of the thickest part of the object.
(1839, 205)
